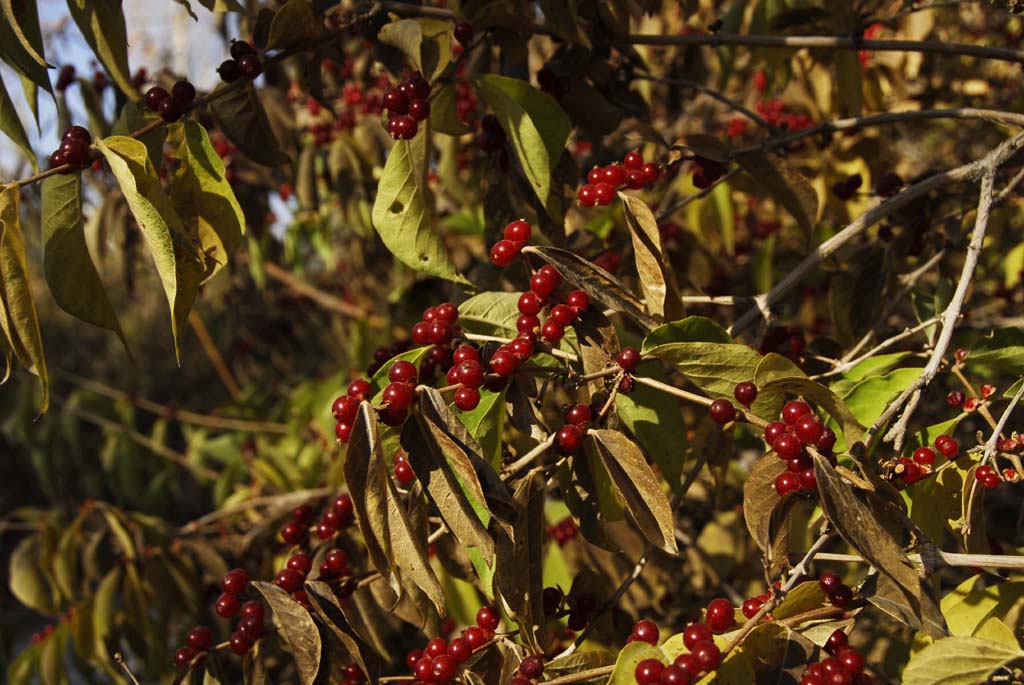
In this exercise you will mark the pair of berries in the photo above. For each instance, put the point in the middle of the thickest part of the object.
(848, 187)
(516, 235)
(407, 105)
(839, 594)
(199, 640)
(73, 150)
(564, 531)
(173, 105)
(602, 182)
(845, 666)
(244, 63)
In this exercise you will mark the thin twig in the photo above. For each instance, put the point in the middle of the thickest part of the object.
(713, 94)
(990, 450)
(844, 366)
(525, 460)
(943, 558)
(214, 355)
(119, 658)
(324, 299)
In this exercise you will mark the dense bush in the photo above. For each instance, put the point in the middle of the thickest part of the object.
(618, 341)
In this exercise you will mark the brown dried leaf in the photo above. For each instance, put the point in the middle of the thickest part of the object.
(296, 627)
(327, 606)
(657, 277)
(767, 515)
(778, 654)
(920, 614)
(600, 285)
(636, 483)
(393, 549)
(785, 184)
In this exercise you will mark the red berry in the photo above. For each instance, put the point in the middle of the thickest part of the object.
(487, 618)
(421, 333)
(471, 373)
(722, 411)
(226, 606)
(464, 32)
(578, 300)
(235, 581)
(154, 96)
(987, 476)
(459, 649)
(852, 660)
(402, 372)
(633, 160)
(955, 399)
(568, 440)
(240, 48)
(543, 284)
(403, 472)
(745, 393)
(527, 324)
(604, 193)
(532, 667)
(793, 410)
(199, 638)
(751, 607)
(521, 347)
(648, 672)
(827, 440)
(325, 530)
(675, 675)
(360, 389)
(465, 353)
(651, 172)
(578, 415)
(503, 252)
(840, 596)
(504, 362)
(184, 656)
(696, 633)
(772, 431)
(467, 399)
(628, 358)
(614, 175)
(595, 175)
(292, 532)
(250, 66)
(395, 101)
(924, 456)
(518, 231)
(252, 608)
(229, 72)
(947, 446)
(251, 627)
(720, 615)
(342, 431)
(687, 663)
(405, 127)
(563, 315)
(809, 428)
(412, 657)
(300, 563)
(829, 581)
(476, 637)
(786, 483)
(184, 92)
(836, 641)
(707, 654)
(345, 409)
(288, 580)
(240, 643)
(808, 479)
(646, 631)
(530, 303)
(788, 446)
(424, 669)
(636, 180)
(170, 109)
(552, 332)
(443, 668)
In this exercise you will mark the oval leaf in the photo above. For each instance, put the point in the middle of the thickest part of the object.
(958, 661)
(657, 277)
(102, 24)
(296, 626)
(240, 115)
(294, 22)
(426, 43)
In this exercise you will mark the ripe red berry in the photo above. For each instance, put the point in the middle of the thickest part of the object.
(184, 656)
(184, 92)
(170, 109)
(412, 657)
(292, 532)
(345, 409)
(337, 561)
(395, 102)
(487, 618)
(604, 193)
(836, 641)
(675, 675)
(809, 428)
(829, 581)
(398, 396)
(521, 347)
(359, 389)
(595, 175)
(646, 631)
(772, 432)
(793, 410)
(628, 358)
(530, 303)
(808, 479)
(707, 654)
(154, 96)
(226, 606)
(722, 411)
(199, 638)
(987, 476)
(240, 643)
(543, 284)
(234, 581)
(827, 440)
(578, 300)
(924, 456)
(251, 627)
(648, 672)
(527, 324)
(751, 607)
(252, 608)
(636, 180)
(587, 195)
(402, 372)
(229, 72)
(696, 633)
(504, 362)
(568, 440)
(424, 669)
(852, 660)
(403, 472)
(503, 252)
(75, 151)
(250, 66)
(476, 636)
(518, 231)
(532, 667)
(633, 160)
(786, 483)
(405, 127)
(419, 110)
(300, 563)
(467, 399)
(459, 649)
(552, 332)
(563, 315)
(651, 172)
(288, 580)
(464, 353)
(788, 446)
(443, 668)
(720, 615)
(614, 175)
(947, 446)
(745, 393)
(464, 32)
(578, 415)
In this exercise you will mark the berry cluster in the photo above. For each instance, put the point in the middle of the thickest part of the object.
(250, 623)
(407, 105)
(911, 469)
(845, 666)
(799, 427)
(848, 187)
(564, 531)
(602, 182)
(466, 103)
(467, 373)
(173, 105)
(334, 517)
(774, 112)
(838, 593)
(73, 150)
(706, 172)
(440, 660)
(515, 236)
(198, 641)
(244, 63)
(704, 655)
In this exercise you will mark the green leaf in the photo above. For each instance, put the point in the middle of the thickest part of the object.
(135, 116)
(26, 580)
(426, 43)
(536, 126)
(690, 329)
(403, 212)
(645, 412)
(18, 317)
(958, 661)
(443, 115)
(965, 615)
(786, 185)
(636, 483)
(631, 655)
(205, 200)
(12, 127)
(102, 24)
(485, 424)
(867, 399)
(296, 626)
(293, 23)
(241, 117)
(1002, 349)
(23, 16)
(105, 608)
(491, 313)
(69, 271)
(804, 597)
(175, 256)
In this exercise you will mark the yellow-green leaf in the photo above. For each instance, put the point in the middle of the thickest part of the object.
(176, 257)
(70, 273)
(958, 661)
(427, 43)
(102, 24)
(18, 316)
(12, 127)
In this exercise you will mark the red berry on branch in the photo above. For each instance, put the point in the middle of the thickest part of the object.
(200, 638)
(226, 606)
(745, 393)
(648, 672)
(568, 440)
(793, 410)
(240, 643)
(518, 231)
(578, 300)
(628, 358)
(184, 92)
(184, 656)
(947, 446)
(646, 631)
(633, 160)
(503, 252)
(229, 72)
(722, 411)
(707, 654)
(720, 615)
